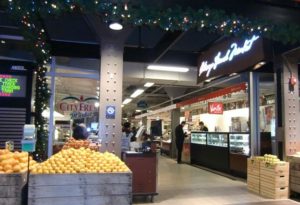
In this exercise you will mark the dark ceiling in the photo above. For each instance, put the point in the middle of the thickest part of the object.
(70, 35)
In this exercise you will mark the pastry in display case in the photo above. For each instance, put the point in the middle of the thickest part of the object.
(217, 139)
(198, 138)
(239, 143)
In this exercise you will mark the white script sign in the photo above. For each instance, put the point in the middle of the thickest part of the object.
(231, 53)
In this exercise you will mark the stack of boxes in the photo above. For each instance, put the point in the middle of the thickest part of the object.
(270, 178)
(253, 175)
(294, 173)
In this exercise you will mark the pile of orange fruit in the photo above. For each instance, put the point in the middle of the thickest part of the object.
(82, 160)
(76, 144)
(15, 162)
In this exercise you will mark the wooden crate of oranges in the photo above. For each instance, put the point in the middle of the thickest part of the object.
(81, 176)
(274, 180)
(13, 176)
(253, 174)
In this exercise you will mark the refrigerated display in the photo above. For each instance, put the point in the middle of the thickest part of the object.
(239, 143)
(217, 139)
(198, 138)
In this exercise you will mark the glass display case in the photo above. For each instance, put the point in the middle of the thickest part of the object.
(239, 143)
(217, 139)
(198, 138)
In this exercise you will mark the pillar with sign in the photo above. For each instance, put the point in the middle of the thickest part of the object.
(290, 105)
(111, 83)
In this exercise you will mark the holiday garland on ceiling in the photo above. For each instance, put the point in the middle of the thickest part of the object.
(30, 12)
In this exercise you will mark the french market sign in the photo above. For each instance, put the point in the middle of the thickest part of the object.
(230, 57)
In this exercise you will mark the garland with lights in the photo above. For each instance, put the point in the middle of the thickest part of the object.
(30, 12)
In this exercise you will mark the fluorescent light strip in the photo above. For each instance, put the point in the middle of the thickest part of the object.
(126, 101)
(168, 68)
(148, 84)
(137, 93)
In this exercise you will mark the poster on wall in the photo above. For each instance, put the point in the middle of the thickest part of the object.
(12, 85)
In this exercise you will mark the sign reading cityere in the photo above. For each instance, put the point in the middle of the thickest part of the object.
(80, 105)
(229, 57)
(215, 108)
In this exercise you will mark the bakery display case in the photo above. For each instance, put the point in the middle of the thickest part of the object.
(217, 139)
(198, 138)
(239, 152)
(239, 143)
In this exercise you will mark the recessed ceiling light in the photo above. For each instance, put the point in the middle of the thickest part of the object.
(148, 84)
(115, 26)
(126, 101)
(168, 68)
(137, 93)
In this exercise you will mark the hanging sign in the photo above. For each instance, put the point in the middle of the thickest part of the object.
(215, 108)
(229, 57)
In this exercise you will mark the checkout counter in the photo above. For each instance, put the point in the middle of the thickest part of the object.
(144, 172)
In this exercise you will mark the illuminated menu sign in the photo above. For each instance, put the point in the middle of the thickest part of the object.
(12, 85)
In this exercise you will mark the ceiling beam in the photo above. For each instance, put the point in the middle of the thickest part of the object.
(165, 44)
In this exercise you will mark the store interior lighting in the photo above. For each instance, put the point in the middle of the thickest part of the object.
(148, 84)
(97, 104)
(116, 26)
(138, 111)
(258, 65)
(137, 93)
(168, 68)
(126, 101)
(46, 114)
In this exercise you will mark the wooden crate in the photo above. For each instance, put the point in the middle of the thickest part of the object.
(253, 175)
(268, 169)
(275, 181)
(276, 193)
(12, 188)
(79, 189)
(253, 163)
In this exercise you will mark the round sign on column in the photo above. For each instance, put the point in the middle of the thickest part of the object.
(110, 112)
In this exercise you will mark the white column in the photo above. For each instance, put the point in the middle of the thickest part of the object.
(52, 107)
(111, 85)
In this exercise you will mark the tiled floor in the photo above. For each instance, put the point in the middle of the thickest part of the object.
(186, 185)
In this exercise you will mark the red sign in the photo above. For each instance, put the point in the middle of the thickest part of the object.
(76, 107)
(215, 108)
(232, 89)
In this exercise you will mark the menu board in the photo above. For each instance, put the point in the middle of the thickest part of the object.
(12, 85)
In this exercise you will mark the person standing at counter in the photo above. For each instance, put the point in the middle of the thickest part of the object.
(203, 128)
(126, 137)
(180, 135)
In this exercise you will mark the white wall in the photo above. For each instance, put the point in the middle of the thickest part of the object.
(223, 122)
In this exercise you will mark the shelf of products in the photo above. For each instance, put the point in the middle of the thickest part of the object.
(239, 143)
(198, 138)
(217, 139)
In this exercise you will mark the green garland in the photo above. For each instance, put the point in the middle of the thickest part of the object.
(30, 11)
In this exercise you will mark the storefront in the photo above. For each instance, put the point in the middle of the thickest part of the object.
(237, 106)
